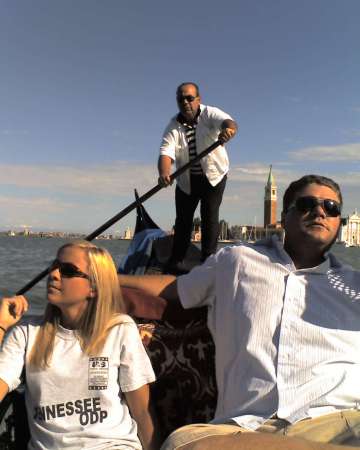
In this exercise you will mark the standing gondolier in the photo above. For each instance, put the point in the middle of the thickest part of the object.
(194, 128)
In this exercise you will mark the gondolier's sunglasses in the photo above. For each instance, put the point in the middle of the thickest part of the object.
(332, 208)
(67, 270)
(189, 98)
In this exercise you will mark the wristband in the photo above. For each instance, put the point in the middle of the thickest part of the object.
(4, 330)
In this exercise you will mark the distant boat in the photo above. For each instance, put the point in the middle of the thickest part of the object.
(347, 245)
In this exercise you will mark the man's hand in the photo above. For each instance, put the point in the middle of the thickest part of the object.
(165, 180)
(226, 134)
(11, 310)
(228, 130)
(164, 166)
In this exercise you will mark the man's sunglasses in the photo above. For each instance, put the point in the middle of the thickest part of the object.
(189, 98)
(306, 204)
(67, 270)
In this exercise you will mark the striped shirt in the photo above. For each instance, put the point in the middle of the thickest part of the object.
(287, 340)
(190, 133)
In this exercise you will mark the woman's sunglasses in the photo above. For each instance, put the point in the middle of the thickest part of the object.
(68, 270)
(332, 208)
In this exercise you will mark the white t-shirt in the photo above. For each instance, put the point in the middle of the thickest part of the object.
(78, 401)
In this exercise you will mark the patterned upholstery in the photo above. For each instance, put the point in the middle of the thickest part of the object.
(182, 354)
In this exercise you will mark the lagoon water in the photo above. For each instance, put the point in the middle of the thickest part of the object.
(22, 258)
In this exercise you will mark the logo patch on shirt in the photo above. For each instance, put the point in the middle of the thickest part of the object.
(98, 373)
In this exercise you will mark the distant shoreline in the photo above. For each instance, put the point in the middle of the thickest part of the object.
(61, 236)
(82, 236)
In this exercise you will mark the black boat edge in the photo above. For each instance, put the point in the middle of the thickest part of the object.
(150, 248)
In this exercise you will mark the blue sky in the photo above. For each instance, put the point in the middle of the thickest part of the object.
(87, 88)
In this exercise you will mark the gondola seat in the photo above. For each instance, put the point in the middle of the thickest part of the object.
(182, 351)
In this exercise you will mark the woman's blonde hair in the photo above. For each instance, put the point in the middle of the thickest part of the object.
(103, 312)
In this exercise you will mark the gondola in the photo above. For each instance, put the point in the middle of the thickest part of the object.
(178, 343)
(151, 247)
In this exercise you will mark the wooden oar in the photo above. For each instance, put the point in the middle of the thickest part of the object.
(125, 211)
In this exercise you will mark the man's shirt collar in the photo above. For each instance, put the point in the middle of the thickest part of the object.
(181, 119)
(330, 262)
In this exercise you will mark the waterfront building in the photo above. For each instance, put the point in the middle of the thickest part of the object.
(128, 233)
(223, 230)
(350, 230)
(196, 231)
(196, 235)
(26, 230)
(270, 201)
(252, 233)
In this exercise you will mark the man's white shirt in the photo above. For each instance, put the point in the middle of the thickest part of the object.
(287, 341)
(174, 144)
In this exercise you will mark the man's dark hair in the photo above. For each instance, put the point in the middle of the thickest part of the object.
(192, 84)
(297, 185)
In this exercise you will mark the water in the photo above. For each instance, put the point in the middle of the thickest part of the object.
(22, 258)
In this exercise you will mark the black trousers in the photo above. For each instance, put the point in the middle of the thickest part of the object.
(210, 198)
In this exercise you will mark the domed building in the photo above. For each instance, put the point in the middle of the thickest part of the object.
(350, 230)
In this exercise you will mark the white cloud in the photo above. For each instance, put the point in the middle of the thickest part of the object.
(33, 211)
(117, 179)
(333, 153)
(42, 203)
(10, 132)
(254, 172)
(81, 198)
(293, 98)
(73, 198)
(351, 132)
(257, 173)
(292, 141)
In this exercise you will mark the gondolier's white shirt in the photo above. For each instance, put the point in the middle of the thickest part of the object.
(287, 341)
(174, 144)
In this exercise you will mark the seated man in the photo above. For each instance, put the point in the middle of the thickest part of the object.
(285, 319)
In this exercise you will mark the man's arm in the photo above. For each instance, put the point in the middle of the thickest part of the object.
(164, 167)
(4, 389)
(159, 285)
(228, 130)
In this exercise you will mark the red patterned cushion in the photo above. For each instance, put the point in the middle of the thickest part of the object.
(182, 354)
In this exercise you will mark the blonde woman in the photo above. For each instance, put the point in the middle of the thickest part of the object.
(87, 372)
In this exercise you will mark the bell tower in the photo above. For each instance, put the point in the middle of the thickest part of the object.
(270, 200)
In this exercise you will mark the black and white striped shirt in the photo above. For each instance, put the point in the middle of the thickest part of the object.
(190, 133)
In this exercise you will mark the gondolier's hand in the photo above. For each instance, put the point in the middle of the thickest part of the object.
(11, 310)
(226, 134)
(164, 168)
(165, 180)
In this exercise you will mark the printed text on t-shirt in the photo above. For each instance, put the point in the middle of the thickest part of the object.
(88, 409)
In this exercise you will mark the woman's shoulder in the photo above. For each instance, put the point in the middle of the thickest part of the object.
(29, 321)
(122, 327)
(26, 327)
(122, 321)
(32, 319)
